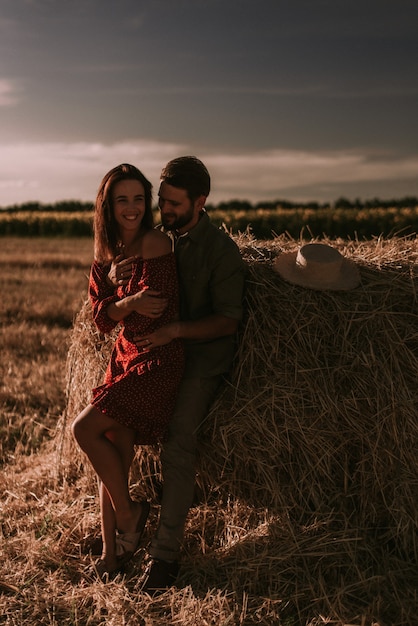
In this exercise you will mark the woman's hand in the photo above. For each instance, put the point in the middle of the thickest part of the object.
(120, 271)
(148, 302)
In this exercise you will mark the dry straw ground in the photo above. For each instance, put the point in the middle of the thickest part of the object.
(306, 509)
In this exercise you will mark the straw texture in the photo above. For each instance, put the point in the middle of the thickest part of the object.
(311, 447)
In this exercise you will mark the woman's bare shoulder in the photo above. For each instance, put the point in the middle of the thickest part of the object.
(155, 243)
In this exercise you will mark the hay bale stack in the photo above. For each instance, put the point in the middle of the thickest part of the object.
(87, 358)
(320, 418)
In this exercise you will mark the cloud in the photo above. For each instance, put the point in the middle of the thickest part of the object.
(302, 175)
(8, 92)
(49, 172)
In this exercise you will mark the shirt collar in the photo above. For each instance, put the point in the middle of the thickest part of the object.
(195, 232)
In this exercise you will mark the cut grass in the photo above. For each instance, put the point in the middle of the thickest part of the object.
(319, 415)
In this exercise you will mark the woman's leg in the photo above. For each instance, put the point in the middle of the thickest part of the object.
(125, 444)
(110, 448)
(108, 525)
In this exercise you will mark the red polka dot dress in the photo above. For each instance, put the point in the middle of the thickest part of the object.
(139, 388)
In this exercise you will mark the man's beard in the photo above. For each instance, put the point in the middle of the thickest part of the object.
(178, 223)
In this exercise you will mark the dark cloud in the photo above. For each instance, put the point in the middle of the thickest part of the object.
(227, 76)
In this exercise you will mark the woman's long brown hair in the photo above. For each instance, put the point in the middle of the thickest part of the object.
(105, 227)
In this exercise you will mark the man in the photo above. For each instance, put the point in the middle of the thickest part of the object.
(211, 274)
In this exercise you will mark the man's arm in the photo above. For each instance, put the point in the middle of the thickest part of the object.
(209, 327)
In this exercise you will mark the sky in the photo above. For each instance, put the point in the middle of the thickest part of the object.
(300, 100)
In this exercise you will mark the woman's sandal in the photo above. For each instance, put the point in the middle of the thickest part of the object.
(126, 546)
(127, 543)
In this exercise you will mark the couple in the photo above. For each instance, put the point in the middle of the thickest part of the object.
(178, 293)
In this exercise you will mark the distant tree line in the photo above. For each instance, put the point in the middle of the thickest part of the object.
(71, 206)
(64, 206)
(347, 219)
(340, 203)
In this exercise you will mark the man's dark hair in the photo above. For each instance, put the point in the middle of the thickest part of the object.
(189, 173)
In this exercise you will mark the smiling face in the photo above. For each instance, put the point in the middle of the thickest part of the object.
(128, 202)
(178, 212)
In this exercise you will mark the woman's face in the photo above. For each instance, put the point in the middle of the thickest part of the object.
(128, 201)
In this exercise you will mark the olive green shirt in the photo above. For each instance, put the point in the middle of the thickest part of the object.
(211, 276)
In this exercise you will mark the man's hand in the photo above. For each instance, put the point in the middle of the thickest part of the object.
(159, 337)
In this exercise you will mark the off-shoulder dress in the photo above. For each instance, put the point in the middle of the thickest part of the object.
(139, 388)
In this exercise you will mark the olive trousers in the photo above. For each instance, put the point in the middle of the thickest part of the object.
(178, 461)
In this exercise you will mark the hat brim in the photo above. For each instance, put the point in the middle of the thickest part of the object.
(348, 276)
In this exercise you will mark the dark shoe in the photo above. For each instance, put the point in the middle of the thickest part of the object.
(159, 576)
(99, 569)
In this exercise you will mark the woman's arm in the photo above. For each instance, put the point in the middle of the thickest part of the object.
(147, 302)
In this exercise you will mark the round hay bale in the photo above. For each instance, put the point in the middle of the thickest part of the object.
(319, 417)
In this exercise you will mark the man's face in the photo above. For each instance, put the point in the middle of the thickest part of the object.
(178, 212)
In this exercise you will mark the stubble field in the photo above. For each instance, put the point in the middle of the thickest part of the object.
(44, 282)
(49, 522)
(246, 562)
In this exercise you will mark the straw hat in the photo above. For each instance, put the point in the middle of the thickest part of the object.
(318, 266)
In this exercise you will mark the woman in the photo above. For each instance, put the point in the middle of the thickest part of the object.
(133, 282)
